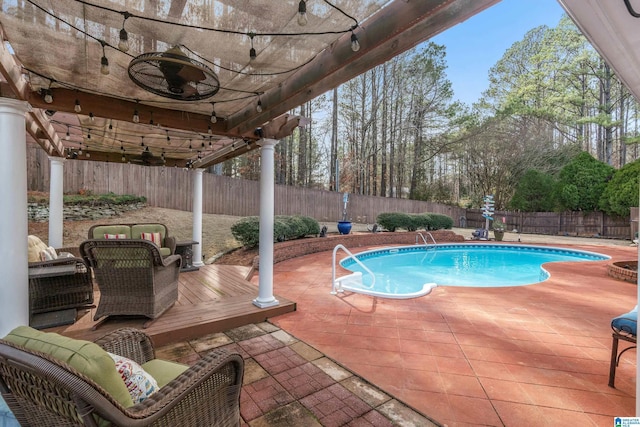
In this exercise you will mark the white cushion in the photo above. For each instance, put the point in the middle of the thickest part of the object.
(48, 254)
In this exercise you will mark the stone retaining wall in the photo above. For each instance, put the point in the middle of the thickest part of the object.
(39, 212)
(286, 250)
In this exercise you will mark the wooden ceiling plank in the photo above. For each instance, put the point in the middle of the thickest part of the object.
(35, 131)
(398, 27)
(11, 71)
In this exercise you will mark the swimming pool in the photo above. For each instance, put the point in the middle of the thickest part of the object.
(410, 271)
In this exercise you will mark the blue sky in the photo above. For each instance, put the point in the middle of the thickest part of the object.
(476, 44)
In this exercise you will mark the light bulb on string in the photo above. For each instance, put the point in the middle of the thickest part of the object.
(77, 108)
(302, 13)
(48, 97)
(252, 52)
(136, 116)
(259, 106)
(91, 117)
(214, 118)
(355, 44)
(123, 43)
(68, 135)
(104, 62)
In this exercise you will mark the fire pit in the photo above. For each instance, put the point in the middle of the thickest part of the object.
(624, 270)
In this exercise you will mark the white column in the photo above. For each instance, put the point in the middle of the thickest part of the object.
(267, 186)
(14, 286)
(56, 215)
(197, 217)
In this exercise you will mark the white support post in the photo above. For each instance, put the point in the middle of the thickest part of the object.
(56, 196)
(267, 206)
(197, 217)
(14, 287)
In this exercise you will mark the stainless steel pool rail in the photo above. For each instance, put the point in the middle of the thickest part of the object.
(336, 284)
(424, 239)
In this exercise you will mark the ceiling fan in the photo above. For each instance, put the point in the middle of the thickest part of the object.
(147, 159)
(173, 74)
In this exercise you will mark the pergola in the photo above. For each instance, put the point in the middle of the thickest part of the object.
(178, 83)
(65, 79)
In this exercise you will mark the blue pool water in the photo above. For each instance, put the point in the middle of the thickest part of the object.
(405, 270)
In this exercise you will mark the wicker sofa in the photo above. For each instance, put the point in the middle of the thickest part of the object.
(48, 379)
(132, 276)
(167, 243)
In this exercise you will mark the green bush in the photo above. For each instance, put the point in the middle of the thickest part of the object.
(393, 221)
(440, 222)
(247, 230)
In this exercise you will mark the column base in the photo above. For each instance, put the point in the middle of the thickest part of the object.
(265, 304)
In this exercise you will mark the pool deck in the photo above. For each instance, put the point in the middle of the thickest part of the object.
(512, 356)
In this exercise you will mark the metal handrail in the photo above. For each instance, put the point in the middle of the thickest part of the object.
(424, 239)
(357, 261)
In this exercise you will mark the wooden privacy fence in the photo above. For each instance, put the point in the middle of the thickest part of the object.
(588, 224)
(171, 188)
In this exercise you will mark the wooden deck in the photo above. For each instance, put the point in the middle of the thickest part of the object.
(212, 299)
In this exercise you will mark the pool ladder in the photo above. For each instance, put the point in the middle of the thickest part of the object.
(424, 239)
(350, 279)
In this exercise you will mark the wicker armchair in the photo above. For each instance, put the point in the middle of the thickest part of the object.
(40, 390)
(132, 276)
(59, 284)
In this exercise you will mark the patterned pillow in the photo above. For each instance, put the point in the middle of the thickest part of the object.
(139, 383)
(115, 236)
(153, 237)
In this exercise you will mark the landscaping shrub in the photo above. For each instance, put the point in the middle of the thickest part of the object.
(285, 227)
(393, 221)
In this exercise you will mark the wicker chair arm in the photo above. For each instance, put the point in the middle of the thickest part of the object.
(130, 343)
(170, 242)
(59, 261)
(171, 259)
(208, 390)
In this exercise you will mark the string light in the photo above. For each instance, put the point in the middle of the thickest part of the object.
(68, 135)
(136, 116)
(104, 62)
(48, 97)
(91, 117)
(259, 106)
(302, 13)
(355, 44)
(151, 120)
(77, 108)
(214, 118)
(123, 43)
(168, 138)
(252, 51)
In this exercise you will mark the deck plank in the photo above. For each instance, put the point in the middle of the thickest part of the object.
(212, 299)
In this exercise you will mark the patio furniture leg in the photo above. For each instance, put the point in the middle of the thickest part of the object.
(614, 361)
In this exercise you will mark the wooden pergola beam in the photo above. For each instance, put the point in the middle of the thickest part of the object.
(398, 27)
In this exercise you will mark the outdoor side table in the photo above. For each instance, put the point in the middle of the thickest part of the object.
(185, 250)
